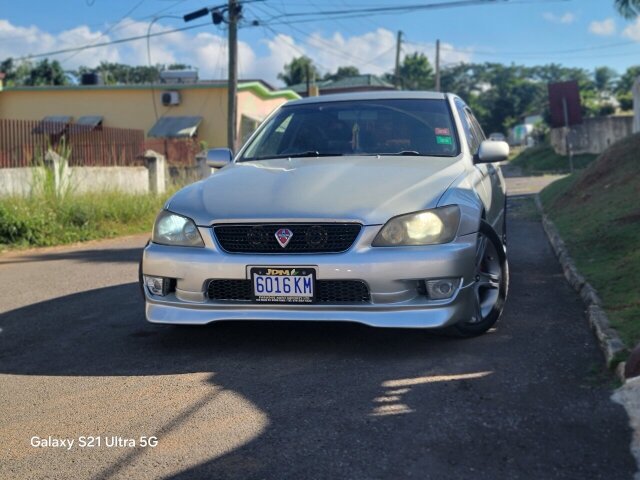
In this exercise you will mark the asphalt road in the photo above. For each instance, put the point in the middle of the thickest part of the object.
(298, 401)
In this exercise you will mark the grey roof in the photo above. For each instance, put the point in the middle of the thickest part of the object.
(85, 124)
(175, 127)
(366, 80)
(52, 124)
(374, 95)
(90, 120)
(357, 81)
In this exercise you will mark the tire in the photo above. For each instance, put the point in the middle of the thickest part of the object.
(491, 287)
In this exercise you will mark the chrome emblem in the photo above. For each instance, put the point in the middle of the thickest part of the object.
(284, 236)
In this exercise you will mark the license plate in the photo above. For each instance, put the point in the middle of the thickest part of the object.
(283, 284)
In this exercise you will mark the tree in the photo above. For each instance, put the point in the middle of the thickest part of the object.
(46, 73)
(297, 71)
(604, 78)
(416, 72)
(626, 81)
(343, 72)
(179, 66)
(628, 8)
(624, 87)
(118, 73)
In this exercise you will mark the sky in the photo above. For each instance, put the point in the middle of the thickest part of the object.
(576, 33)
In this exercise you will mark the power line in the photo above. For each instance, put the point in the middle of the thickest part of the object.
(328, 46)
(397, 9)
(106, 32)
(111, 42)
(539, 53)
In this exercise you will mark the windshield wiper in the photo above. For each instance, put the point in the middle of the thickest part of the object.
(407, 152)
(308, 153)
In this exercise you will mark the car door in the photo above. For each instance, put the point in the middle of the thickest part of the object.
(479, 173)
(492, 182)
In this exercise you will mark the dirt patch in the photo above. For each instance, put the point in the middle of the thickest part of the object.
(629, 219)
(616, 157)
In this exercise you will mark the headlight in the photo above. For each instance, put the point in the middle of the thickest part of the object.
(173, 229)
(428, 227)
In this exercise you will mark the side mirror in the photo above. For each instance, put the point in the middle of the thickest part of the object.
(219, 157)
(491, 151)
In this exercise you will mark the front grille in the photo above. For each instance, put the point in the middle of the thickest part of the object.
(306, 238)
(327, 291)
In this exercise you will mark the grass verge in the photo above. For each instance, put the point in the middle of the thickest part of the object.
(598, 215)
(45, 220)
(542, 159)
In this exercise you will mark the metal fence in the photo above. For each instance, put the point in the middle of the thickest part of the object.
(177, 151)
(24, 143)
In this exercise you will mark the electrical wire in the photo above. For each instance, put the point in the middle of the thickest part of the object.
(106, 32)
(111, 42)
(153, 91)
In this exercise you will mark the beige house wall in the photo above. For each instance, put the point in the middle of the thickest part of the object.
(133, 106)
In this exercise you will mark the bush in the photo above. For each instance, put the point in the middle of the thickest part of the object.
(606, 109)
(39, 220)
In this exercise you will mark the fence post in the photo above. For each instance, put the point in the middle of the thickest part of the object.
(204, 170)
(156, 165)
(58, 166)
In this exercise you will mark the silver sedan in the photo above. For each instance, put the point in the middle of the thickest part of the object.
(386, 209)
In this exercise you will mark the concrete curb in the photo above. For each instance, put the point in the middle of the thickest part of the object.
(608, 338)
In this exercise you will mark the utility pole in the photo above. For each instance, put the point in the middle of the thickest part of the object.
(233, 9)
(438, 65)
(397, 70)
(233, 12)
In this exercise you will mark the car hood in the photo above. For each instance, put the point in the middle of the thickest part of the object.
(365, 189)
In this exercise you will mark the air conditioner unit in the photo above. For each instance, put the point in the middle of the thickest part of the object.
(170, 98)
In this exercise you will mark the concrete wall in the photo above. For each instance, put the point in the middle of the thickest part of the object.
(18, 181)
(636, 106)
(132, 106)
(92, 179)
(22, 181)
(152, 178)
(595, 135)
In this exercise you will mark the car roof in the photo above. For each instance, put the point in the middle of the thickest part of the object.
(386, 95)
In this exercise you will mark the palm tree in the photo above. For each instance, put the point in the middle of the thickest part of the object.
(628, 8)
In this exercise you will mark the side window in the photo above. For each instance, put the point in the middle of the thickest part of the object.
(476, 125)
(273, 140)
(471, 136)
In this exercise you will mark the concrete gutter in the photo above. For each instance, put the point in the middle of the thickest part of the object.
(609, 340)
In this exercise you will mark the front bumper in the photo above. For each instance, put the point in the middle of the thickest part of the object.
(392, 275)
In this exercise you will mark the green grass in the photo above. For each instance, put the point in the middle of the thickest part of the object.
(542, 159)
(598, 215)
(523, 208)
(44, 219)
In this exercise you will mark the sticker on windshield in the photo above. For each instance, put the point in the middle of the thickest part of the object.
(444, 140)
(443, 131)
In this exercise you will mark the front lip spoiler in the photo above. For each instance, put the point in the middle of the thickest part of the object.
(388, 315)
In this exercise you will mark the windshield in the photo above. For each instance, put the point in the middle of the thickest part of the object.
(363, 127)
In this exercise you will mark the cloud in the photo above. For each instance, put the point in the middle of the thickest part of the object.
(371, 52)
(605, 28)
(16, 41)
(565, 18)
(633, 31)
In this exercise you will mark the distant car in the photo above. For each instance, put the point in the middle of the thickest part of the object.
(379, 208)
(497, 137)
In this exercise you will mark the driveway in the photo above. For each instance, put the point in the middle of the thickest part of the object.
(281, 401)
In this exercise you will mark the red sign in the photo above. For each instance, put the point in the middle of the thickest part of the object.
(564, 104)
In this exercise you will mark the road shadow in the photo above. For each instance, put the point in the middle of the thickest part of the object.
(107, 255)
(344, 400)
